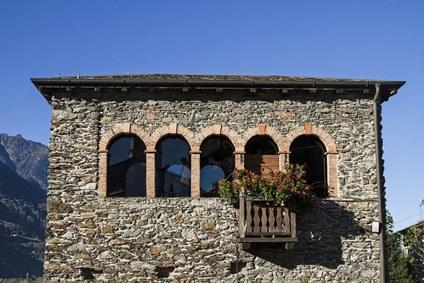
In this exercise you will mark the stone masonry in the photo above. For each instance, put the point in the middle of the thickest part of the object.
(151, 239)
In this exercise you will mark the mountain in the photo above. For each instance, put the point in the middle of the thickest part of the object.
(22, 206)
(30, 158)
(5, 159)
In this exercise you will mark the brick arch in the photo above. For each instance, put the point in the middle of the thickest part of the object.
(173, 129)
(121, 129)
(263, 129)
(307, 129)
(105, 140)
(330, 147)
(218, 129)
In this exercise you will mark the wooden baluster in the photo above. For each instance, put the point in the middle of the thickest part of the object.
(279, 219)
(293, 224)
(286, 222)
(271, 219)
(256, 227)
(248, 216)
(242, 215)
(264, 220)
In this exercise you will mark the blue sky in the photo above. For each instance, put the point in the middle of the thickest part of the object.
(355, 39)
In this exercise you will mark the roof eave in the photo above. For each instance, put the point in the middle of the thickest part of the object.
(389, 87)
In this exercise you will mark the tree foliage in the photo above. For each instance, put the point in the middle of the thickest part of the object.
(405, 254)
(399, 266)
(414, 244)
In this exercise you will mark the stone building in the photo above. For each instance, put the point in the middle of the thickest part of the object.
(134, 160)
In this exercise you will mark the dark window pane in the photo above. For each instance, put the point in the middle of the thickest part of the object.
(261, 145)
(126, 167)
(173, 174)
(120, 150)
(261, 155)
(216, 162)
(136, 180)
(309, 151)
(210, 175)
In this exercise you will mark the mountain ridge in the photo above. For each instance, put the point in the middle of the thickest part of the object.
(30, 158)
(23, 184)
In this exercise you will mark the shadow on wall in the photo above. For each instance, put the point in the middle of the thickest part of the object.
(207, 95)
(319, 233)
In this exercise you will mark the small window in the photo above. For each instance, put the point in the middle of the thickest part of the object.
(261, 155)
(126, 167)
(309, 151)
(216, 163)
(173, 169)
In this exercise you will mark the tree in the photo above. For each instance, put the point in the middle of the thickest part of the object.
(399, 262)
(414, 244)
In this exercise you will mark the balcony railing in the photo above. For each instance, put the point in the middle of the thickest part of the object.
(264, 222)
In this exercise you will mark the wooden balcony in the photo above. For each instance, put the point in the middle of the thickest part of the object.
(264, 222)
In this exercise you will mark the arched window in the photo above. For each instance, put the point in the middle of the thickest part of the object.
(261, 155)
(309, 150)
(173, 173)
(126, 175)
(216, 163)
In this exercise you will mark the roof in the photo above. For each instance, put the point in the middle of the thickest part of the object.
(416, 225)
(217, 81)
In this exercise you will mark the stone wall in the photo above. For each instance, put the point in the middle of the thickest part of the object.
(195, 240)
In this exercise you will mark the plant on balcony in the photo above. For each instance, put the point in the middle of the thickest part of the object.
(228, 190)
(287, 188)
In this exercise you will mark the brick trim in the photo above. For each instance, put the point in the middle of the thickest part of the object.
(195, 174)
(194, 140)
(307, 129)
(263, 129)
(331, 151)
(218, 129)
(103, 147)
(122, 129)
(173, 129)
(151, 174)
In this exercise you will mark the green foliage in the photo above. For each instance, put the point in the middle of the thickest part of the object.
(227, 189)
(414, 244)
(399, 262)
(288, 187)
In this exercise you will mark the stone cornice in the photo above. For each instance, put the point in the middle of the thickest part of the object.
(253, 84)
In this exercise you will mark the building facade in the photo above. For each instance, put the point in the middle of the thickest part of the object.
(134, 161)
